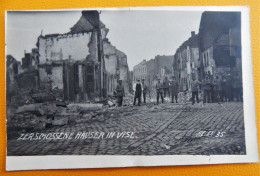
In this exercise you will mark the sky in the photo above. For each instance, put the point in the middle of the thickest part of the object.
(139, 34)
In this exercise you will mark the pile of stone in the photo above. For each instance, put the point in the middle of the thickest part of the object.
(38, 116)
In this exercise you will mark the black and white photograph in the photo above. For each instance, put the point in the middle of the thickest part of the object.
(135, 83)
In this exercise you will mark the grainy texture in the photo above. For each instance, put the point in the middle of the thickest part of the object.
(230, 169)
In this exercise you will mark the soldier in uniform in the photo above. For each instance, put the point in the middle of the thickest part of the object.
(237, 87)
(120, 93)
(223, 83)
(174, 88)
(206, 87)
(159, 91)
(166, 87)
(217, 89)
(138, 92)
(228, 88)
(145, 90)
(195, 90)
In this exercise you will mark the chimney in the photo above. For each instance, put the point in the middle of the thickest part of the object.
(192, 33)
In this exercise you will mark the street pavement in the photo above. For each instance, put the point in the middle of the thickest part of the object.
(164, 129)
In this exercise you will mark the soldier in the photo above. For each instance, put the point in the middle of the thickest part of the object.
(159, 91)
(206, 89)
(174, 88)
(166, 87)
(237, 87)
(212, 89)
(228, 88)
(120, 93)
(218, 89)
(138, 92)
(195, 90)
(223, 83)
(145, 90)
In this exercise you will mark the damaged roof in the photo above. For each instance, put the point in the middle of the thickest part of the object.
(192, 42)
(87, 22)
(215, 24)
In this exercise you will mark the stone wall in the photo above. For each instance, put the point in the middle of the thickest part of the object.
(115, 59)
(64, 46)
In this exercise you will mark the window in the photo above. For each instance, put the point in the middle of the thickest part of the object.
(162, 71)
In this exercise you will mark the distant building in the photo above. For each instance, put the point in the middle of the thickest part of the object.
(28, 77)
(150, 71)
(220, 43)
(140, 71)
(186, 62)
(159, 68)
(30, 61)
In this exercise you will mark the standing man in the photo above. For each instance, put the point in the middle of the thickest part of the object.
(218, 89)
(237, 87)
(206, 87)
(166, 87)
(120, 93)
(223, 83)
(228, 88)
(138, 92)
(145, 90)
(195, 90)
(174, 88)
(159, 90)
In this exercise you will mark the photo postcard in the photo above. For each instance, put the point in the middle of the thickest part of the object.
(133, 86)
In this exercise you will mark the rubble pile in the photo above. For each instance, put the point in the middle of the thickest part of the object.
(21, 97)
(44, 113)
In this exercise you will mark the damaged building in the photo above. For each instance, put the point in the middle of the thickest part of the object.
(29, 75)
(73, 62)
(116, 67)
(220, 43)
(13, 68)
(186, 62)
(22, 78)
(67, 75)
(82, 63)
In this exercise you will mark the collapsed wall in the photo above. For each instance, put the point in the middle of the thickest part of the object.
(116, 66)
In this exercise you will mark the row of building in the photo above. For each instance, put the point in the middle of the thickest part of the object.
(215, 50)
(150, 71)
(82, 64)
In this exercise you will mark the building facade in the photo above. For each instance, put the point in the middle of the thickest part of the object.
(73, 62)
(186, 64)
(116, 67)
(140, 71)
(220, 43)
(152, 70)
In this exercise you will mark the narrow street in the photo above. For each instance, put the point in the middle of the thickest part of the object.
(164, 129)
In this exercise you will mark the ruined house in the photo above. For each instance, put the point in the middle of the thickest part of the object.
(13, 68)
(116, 67)
(186, 62)
(28, 77)
(74, 62)
(220, 43)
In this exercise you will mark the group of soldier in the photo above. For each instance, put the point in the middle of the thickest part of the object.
(218, 89)
(169, 87)
(214, 89)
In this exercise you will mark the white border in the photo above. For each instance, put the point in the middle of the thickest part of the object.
(97, 161)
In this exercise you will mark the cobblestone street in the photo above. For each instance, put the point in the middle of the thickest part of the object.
(164, 129)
